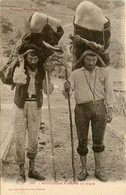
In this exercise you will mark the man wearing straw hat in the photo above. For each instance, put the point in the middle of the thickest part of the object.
(93, 96)
(29, 79)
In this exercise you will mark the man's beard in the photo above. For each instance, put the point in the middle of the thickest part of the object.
(32, 67)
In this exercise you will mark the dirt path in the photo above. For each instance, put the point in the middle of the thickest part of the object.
(113, 162)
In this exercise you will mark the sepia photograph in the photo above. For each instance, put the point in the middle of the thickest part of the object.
(62, 97)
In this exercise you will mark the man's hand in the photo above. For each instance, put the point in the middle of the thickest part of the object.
(65, 94)
(67, 86)
(19, 76)
(66, 89)
(109, 115)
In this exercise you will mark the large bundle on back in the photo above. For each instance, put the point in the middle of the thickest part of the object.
(91, 31)
(43, 33)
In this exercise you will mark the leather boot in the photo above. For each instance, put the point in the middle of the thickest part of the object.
(83, 175)
(32, 173)
(99, 174)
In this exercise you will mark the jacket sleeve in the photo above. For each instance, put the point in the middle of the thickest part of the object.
(8, 71)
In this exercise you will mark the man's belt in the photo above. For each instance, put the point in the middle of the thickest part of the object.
(32, 98)
(97, 102)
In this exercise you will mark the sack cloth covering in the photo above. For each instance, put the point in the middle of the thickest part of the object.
(6, 74)
(32, 41)
(100, 37)
(35, 41)
(91, 25)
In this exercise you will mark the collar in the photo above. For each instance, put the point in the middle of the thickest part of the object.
(84, 69)
(33, 73)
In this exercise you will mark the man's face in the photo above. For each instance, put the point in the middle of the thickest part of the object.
(32, 61)
(90, 62)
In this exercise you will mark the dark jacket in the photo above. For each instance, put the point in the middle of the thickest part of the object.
(21, 90)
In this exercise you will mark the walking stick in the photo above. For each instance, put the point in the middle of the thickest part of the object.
(71, 131)
(50, 126)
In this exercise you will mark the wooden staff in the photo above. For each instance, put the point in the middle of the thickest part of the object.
(50, 125)
(71, 131)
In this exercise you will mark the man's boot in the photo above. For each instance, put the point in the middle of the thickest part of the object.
(99, 174)
(83, 175)
(21, 178)
(32, 173)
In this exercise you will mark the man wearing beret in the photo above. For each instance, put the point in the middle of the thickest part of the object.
(29, 80)
(94, 98)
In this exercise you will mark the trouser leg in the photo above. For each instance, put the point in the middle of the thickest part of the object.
(20, 126)
(98, 147)
(82, 126)
(98, 132)
(34, 119)
(98, 124)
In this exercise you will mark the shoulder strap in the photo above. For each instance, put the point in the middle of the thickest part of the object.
(92, 90)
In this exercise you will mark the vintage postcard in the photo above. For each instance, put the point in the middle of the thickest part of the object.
(62, 97)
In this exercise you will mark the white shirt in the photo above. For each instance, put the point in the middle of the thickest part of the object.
(31, 87)
(92, 86)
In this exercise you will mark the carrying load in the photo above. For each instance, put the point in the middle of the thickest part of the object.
(44, 33)
(91, 31)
